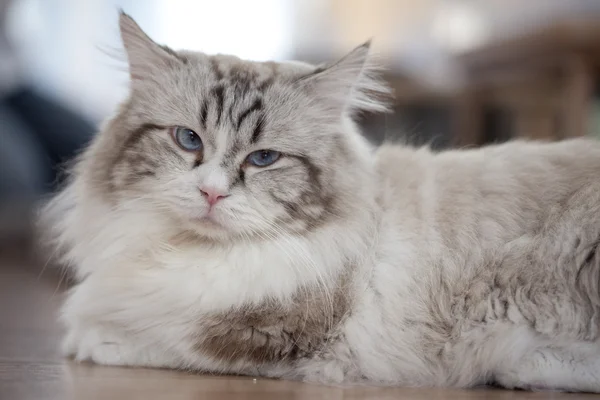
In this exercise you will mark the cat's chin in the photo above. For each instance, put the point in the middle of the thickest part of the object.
(214, 230)
(209, 221)
(210, 227)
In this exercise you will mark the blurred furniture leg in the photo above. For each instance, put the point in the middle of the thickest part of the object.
(535, 124)
(468, 119)
(579, 88)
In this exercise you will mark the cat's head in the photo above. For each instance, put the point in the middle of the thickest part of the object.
(233, 148)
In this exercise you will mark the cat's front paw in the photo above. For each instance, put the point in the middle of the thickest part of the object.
(327, 371)
(100, 347)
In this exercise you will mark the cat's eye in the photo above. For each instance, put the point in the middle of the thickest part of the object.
(263, 158)
(187, 139)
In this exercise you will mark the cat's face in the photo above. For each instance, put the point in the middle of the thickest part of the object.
(235, 148)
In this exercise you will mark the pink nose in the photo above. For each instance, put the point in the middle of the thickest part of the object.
(212, 195)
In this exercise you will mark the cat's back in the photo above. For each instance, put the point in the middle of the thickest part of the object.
(569, 158)
(516, 168)
(492, 194)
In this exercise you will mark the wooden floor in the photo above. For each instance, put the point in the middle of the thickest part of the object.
(31, 366)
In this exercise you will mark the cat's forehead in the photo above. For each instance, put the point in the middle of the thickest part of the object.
(204, 85)
(233, 69)
(230, 70)
(223, 95)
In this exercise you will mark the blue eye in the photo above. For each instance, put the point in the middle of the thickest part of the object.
(262, 158)
(187, 139)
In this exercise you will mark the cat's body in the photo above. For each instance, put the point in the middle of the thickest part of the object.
(396, 266)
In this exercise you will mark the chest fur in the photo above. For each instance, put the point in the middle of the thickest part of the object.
(274, 331)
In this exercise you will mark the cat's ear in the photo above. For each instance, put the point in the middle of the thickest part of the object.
(352, 84)
(145, 56)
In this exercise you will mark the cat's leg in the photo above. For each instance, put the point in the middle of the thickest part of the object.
(93, 336)
(105, 346)
(573, 368)
(111, 319)
(334, 365)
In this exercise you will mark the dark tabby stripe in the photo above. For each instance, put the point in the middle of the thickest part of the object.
(134, 137)
(219, 93)
(199, 158)
(315, 196)
(125, 155)
(243, 79)
(256, 106)
(241, 178)
(203, 114)
(232, 106)
(258, 129)
(232, 87)
(137, 133)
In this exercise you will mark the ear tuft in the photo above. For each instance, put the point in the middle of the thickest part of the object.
(354, 83)
(144, 55)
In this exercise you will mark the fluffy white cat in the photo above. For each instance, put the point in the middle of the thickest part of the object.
(230, 218)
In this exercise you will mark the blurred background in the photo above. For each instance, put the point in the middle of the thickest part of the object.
(464, 72)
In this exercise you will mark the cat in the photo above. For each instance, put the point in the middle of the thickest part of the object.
(231, 218)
